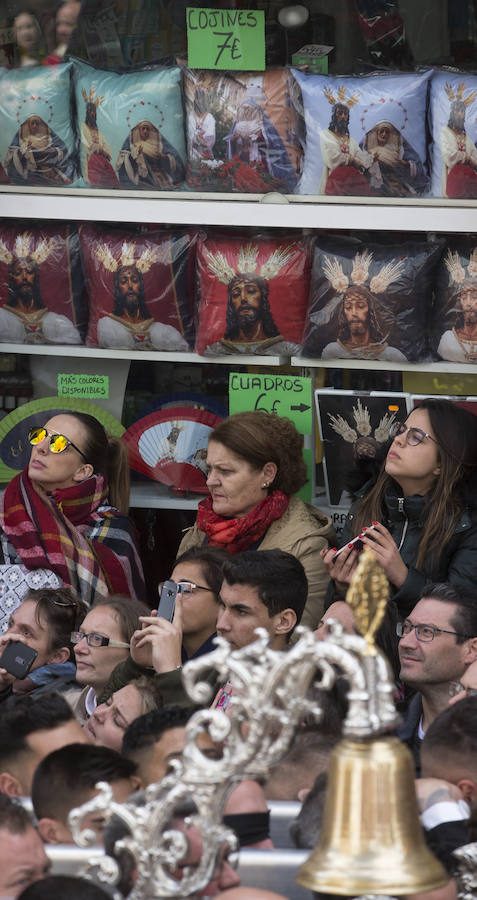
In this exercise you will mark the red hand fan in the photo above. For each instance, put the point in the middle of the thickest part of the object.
(170, 446)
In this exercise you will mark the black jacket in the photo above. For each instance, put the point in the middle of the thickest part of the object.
(404, 518)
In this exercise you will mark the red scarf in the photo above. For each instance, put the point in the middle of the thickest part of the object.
(51, 531)
(239, 534)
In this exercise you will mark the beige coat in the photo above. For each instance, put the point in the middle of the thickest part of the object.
(303, 531)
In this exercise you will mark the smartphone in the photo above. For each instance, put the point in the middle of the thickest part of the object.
(356, 540)
(167, 600)
(18, 658)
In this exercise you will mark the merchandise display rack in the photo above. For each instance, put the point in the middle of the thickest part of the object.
(303, 213)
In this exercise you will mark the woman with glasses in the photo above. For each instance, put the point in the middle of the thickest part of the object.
(422, 507)
(63, 520)
(165, 646)
(102, 642)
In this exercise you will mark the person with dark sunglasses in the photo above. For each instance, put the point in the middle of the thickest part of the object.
(422, 507)
(63, 520)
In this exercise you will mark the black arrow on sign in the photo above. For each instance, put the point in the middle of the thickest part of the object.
(301, 407)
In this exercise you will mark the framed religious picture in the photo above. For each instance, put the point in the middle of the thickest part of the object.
(354, 430)
(469, 402)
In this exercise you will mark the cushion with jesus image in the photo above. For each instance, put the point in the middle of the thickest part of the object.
(253, 295)
(42, 296)
(366, 135)
(141, 287)
(369, 300)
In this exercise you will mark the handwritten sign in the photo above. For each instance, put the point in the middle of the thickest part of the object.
(93, 387)
(285, 395)
(226, 39)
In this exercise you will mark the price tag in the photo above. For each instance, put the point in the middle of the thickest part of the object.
(226, 39)
(285, 395)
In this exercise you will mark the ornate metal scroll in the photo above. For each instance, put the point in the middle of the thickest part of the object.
(270, 697)
(466, 875)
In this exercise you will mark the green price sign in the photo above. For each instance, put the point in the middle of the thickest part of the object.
(88, 387)
(226, 39)
(285, 395)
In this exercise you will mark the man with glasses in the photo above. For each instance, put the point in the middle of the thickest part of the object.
(438, 641)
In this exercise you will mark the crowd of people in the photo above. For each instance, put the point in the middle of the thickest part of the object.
(100, 696)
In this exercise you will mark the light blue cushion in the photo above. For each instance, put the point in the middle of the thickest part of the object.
(37, 142)
(356, 162)
(131, 127)
(454, 153)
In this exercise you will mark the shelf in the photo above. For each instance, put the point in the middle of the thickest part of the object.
(151, 495)
(140, 355)
(269, 210)
(383, 366)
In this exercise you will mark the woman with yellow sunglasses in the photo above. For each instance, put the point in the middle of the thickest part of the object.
(63, 520)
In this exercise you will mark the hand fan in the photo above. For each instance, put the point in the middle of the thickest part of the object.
(170, 446)
(185, 398)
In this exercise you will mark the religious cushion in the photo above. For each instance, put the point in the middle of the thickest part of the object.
(141, 287)
(365, 135)
(453, 112)
(37, 142)
(454, 334)
(242, 131)
(41, 285)
(253, 295)
(131, 127)
(370, 301)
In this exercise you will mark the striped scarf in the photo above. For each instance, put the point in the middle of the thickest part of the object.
(74, 533)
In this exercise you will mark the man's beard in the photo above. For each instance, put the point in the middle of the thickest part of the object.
(357, 327)
(131, 304)
(25, 293)
(248, 316)
(341, 127)
(470, 317)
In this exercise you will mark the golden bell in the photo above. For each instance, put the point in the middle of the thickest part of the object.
(371, 841)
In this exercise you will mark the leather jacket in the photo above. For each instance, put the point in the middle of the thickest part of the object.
(404, 518)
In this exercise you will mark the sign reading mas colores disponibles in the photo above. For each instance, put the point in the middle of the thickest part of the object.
(226, 39)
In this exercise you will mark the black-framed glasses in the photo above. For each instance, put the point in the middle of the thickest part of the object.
(414, 436)
(57, 442)
(93, 639)
(185, 587)
(424, 632)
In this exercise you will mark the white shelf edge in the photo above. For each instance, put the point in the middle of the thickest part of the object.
(139, 355)
(383, 366)
(152, 495)
(185, 208)
(235, 359)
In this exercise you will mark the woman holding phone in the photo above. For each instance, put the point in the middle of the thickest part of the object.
(63, 520)
(420, 516)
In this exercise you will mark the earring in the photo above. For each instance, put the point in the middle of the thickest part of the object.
(265, 485)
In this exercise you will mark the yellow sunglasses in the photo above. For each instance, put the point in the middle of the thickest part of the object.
(57, 442)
